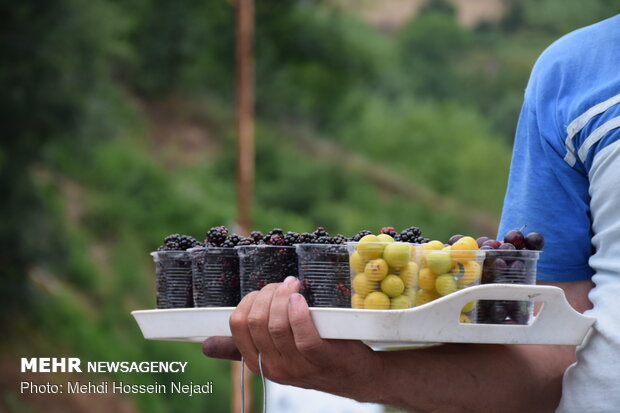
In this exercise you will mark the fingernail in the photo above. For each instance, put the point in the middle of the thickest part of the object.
(295, 298)
(289, 280)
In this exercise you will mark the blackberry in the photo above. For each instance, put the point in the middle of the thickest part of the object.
(413, 235)
(339, 239)
(276, 231)
(389, 231)
(256, 236)
(246, 241)
(415, 230)
(291, 238)
(231, 241)
(323, 240)
(305, 238)
(275, 239)
(320, 232)
(216, 236)
(177, 242)
(360, 235)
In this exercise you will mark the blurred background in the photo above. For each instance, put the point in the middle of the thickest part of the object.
(118, 128)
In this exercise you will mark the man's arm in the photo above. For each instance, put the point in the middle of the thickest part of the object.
(454, 377)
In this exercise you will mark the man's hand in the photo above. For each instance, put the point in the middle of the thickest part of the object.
(276, 322)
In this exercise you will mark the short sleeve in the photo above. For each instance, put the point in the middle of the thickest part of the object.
(548, 196)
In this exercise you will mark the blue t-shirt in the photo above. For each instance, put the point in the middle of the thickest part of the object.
(571, 113)
(565, 183)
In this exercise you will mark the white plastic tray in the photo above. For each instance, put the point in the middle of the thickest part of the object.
(436, 322)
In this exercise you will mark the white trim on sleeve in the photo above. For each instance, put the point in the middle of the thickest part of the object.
(596, 136)
(580, 121)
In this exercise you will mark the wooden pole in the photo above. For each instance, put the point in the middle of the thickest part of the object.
(245, 159)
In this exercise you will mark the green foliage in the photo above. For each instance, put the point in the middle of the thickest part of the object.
(356, 129)
(431, 48)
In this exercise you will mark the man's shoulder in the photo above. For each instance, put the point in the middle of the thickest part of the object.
(583, 47)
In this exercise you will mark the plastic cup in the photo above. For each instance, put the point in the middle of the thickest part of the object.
(325, 274)
(215, 276)
(173, 279)
(383, 274)
(260, 265)
(508, 267)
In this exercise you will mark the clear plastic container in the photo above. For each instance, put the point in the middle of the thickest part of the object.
(383, 274)
(260, 265)
(325, 274)
(173, 279)
(215, 276)
(445, 271)
(508, 267)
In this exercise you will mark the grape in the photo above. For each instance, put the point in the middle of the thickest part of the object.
(507, 246)
(454, 238)
(517, 272)
(498, 312)
(492, 243)
(481, 241)
(515, 238)
(534, 241)
(500, 266)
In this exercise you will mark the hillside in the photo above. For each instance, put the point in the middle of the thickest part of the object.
(119, 130)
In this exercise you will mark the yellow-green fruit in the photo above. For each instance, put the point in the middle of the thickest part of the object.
(464, 249)
(400, 302)
(377, 300)
(357, 262)
(464, 318)
(357, 301)
(392, 285)
(376, 270)
(465, 243)
(411, 293)
(397, 254)
(426, 279)
(471, 274)
(438, 262)
(409, 274)
(369, 247)
(424, 296)
(433, 245)
(469, 306)
(361, 285)
(385, 238)
(445, 284)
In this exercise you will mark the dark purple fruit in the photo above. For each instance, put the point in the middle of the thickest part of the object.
(507, 246)
(515, 237)
(455, 238)
(498, 312)
(500, 266)
(481, 241)
(534, 241)
(492, 243)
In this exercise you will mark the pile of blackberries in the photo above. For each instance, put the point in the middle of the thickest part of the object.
(178, 242)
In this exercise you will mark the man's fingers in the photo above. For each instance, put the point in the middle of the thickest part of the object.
(279, 327)
(239, 327)
(221, 348)
(307, 338)
(258, 322)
